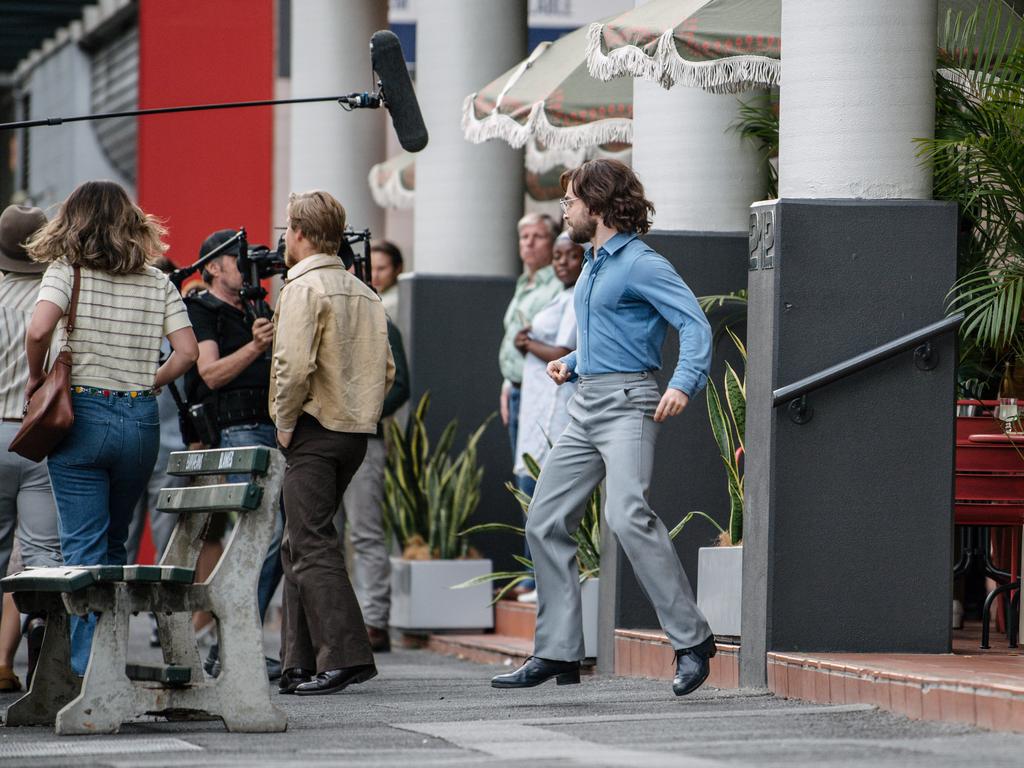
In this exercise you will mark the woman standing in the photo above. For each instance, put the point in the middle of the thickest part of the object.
(125, 308)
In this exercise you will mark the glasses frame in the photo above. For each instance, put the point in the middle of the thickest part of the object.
(566, 202)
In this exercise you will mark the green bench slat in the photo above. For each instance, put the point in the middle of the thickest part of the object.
(159, 673)
(227, 497)
(74, 578)
(57, 579)
(219, 461)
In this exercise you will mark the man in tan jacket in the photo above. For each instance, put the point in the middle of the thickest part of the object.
(332, 368)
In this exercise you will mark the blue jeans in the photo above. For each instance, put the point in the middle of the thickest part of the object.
(98, 473)
(239, 436)
(514, 398)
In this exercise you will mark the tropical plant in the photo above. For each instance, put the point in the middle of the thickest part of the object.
(977, 156)
(588, 539)
(758, 121)
(728, 417)
(429, 496)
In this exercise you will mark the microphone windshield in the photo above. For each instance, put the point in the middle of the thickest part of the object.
(396, 89)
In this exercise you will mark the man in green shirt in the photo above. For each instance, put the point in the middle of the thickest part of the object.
(535, 289)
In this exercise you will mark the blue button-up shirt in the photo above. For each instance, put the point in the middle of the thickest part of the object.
(626, 297)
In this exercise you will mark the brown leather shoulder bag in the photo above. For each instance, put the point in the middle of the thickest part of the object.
(48, 413)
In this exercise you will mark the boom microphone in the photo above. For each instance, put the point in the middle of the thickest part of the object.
(396, 88)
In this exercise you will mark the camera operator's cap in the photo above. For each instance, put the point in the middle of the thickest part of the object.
(219, 237)
(17, 224)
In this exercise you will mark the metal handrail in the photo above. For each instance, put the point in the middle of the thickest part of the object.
(864, 360)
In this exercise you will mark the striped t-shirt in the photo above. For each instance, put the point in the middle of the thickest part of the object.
(17, 297)
(121, 320)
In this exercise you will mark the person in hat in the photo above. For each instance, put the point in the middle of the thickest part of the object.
(26, 500)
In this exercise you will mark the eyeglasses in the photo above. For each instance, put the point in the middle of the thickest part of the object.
(565, 202)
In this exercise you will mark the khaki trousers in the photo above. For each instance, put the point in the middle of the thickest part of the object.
(322, 627)
(611, 436)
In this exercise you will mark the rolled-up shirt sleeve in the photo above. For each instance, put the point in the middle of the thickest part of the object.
(297, 332)
(657, 282)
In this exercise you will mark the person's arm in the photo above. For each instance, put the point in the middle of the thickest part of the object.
(658, 283)
(545, 352)
(184, 353)
(44, 320)
(217, 371)
(297, 335)
(399, 392)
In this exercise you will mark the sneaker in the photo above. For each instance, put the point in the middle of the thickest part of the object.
(528, 597)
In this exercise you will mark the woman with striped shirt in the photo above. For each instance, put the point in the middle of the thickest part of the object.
(125, 307)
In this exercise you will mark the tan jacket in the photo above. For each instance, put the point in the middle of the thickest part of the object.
(331, 354)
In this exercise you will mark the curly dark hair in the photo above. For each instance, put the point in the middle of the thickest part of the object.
(611, 190)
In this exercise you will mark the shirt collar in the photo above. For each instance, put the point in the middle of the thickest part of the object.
(542, 276)
(313, 262)
(615, 244)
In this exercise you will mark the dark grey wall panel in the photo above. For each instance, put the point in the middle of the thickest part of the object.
(688, 473)
(850, 524)
(452, 326)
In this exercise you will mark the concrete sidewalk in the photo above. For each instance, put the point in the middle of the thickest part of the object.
(429, 710)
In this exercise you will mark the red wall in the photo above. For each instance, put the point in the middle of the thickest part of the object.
(206, 170)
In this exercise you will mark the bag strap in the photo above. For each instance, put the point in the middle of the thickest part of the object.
(73, 310)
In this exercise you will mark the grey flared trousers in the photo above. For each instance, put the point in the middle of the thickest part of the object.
(611, 436)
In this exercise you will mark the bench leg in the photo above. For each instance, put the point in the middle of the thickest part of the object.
(108, 696)
(53, 684)
(178, 642)
(242, 686)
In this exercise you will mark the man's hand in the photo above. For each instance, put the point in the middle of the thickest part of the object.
(284, 439)
(558, 372)
(503, 405)
(522, 340)
(672, 404)
(262, 333)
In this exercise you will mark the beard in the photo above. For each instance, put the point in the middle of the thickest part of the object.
(583, 232)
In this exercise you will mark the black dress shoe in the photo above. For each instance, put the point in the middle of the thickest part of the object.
(336, 680)
(693, 667)
(536, 670)
(292, 678)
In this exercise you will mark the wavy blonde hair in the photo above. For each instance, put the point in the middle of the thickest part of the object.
(99, 227)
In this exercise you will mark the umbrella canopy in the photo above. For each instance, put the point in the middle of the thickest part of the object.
(393, 182)
(551, 98)
(720, 46)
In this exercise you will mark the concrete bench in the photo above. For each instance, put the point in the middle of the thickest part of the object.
(114, 691)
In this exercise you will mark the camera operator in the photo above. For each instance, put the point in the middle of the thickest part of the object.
(231, 379)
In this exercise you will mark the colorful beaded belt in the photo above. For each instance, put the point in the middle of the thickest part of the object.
(114, 392)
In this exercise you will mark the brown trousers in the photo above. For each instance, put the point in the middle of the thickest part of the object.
(322, 626)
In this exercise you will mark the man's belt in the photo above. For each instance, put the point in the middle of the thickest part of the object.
(242, 406)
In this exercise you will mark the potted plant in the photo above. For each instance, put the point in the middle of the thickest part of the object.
(720, 568)
(588, 557)
(428, 498)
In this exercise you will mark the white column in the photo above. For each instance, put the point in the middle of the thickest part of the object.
(332, 149)
(698, 171)
(856, 91)
(468, 196)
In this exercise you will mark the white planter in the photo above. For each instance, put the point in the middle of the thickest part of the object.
(720, 588)
(589, 591)
(422, 597)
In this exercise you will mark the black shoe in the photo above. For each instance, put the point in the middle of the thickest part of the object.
(380, 640)
(693, 667)
(292, 678)
(536, 670)
(336, 680)
(35, 628)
